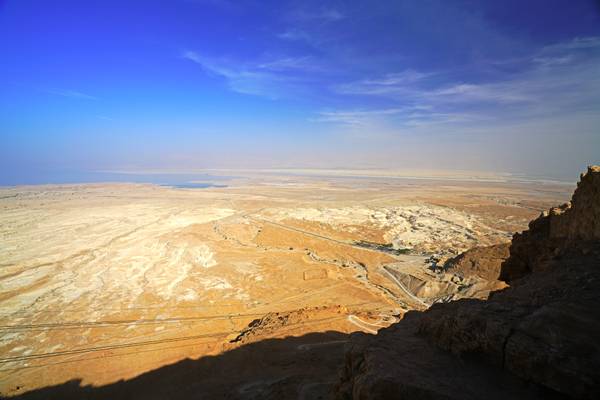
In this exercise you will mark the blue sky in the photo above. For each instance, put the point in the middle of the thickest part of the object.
(179, 85)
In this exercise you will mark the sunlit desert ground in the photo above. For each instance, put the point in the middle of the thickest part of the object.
(105, 281)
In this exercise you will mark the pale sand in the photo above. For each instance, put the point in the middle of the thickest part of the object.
(125, 264)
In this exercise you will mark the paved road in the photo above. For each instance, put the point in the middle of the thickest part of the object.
(367, 326)
(404, 288)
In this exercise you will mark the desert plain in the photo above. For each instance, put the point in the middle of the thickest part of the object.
(103, 282)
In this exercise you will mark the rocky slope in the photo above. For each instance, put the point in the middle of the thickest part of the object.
(483, 262)
(574, 226)
(536, 339)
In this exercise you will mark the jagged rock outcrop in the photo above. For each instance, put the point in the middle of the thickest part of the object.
(537, 339)
(574, 226)
(483, 262)
(273, 322)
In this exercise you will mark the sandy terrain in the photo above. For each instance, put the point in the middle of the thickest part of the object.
(106, 281)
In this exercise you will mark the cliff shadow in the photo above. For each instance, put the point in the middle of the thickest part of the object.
(303, 367)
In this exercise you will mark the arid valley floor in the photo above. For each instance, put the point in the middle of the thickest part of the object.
(103, 282)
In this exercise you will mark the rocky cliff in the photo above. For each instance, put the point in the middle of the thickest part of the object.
(539, 338)
(571, 227)
(483, 262)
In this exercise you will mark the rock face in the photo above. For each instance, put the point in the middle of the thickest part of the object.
(537, 339)
(573, 226)
(484, 262)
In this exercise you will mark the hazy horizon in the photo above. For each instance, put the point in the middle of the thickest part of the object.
(495, 87)
(221, 176)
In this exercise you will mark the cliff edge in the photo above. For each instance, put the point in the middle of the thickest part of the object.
(571, 227)
(539, 338)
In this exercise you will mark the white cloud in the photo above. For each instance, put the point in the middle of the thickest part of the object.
(412, 116)
(72, 94)
(556, 94)
(268, 76)
(223, 4)
(563, 78)
(324, 15)
(398, 78)
(552, 61)
(289, 63)
(575, 44)
(389, 84)
(356, 117)
(241, 79)
(469, 93)
(295, 35)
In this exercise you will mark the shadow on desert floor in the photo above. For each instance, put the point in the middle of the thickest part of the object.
(304, 367)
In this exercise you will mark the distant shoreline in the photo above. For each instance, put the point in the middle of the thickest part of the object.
(458, 175)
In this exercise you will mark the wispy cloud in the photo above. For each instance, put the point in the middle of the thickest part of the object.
(565, 53)
(239, 78)
(402, 116)
(356, 117)
(289, 63)
(295, 35)
(324, 15)
(272, 77)
(310, 26)
(224, 4)
(72, 94)
(575, 44)
(389, 84)
(552, 61)
(468, 93)
(564, 83)
(562, 79)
